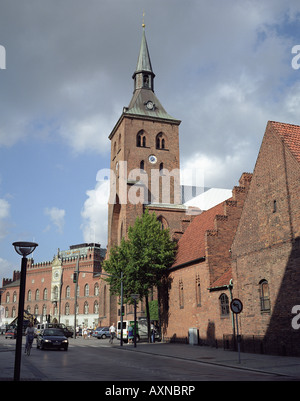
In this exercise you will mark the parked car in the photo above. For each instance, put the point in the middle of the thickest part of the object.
(101, 332)
(52, 338)
(10, 333)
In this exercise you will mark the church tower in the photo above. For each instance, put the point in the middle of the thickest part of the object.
(144, 154)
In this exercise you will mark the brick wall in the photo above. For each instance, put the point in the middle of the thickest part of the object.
(266, 246)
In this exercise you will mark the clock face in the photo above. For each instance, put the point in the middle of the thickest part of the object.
(150, 105)
(56, 274)
(152, 159)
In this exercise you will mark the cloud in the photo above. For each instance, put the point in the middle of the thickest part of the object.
(4, 214)
(94, 213)
(5, 269)
(57, 217)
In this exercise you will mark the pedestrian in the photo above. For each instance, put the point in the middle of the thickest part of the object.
(130, 334)
(29, 332)
(153, 332)
(84, 332)
(112, 332)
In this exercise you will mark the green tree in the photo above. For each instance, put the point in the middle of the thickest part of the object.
(143, 258)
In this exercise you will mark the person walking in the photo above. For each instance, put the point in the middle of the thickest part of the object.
(112, 332)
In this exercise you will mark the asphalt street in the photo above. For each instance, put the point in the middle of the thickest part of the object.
(97, 360)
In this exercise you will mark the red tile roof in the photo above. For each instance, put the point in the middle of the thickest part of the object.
(290, 134)
(223, 280)
(191, 245)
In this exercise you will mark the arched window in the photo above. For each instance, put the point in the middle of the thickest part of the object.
(181, 298)
(160, 141)
(37, 295)
(7, 297)
(96, 289)
(86, 308)
(198, 291)
(55, 293)
(265, 305)
(163, 222)
(29, 295)
(86, 290)
(224, 305)
(142, 165)
(96, 307)
(45, 294)
(67, 309)
(141, 139)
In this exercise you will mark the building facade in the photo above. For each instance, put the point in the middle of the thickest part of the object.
(50, 288)
(146, 169)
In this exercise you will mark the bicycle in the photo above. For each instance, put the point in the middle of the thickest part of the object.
(28, 347)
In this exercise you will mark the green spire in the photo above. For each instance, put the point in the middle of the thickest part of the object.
(144, 75)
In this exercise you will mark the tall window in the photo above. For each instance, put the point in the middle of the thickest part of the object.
(141, 139)
(55, 293)
(45, 294)
(224, 305)
(198, 293)
(265, 305)
(160, 141)
(68, 292)
(96, 289)
(37, 295)
(86, 290)
(181, 299)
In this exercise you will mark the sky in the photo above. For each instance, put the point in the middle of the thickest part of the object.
(224, 68)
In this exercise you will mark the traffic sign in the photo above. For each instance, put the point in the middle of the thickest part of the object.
(236, 305)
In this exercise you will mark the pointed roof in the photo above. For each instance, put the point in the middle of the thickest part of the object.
(290, 134)
(143, 95)
(144, 62)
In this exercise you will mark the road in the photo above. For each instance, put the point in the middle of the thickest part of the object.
(97, 360)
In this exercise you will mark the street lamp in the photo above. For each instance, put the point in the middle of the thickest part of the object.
(24, 249)
(135, 297)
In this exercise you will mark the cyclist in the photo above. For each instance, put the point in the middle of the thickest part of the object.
(29, 336)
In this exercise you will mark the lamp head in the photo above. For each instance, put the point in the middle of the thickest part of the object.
(25, 248)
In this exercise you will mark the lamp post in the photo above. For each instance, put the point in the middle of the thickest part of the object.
(135, 297)
(24, 249)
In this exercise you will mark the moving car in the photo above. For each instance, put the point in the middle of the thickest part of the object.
(101, 332)
(52, 338)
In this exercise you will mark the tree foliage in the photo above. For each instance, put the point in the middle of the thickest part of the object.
(143, 258)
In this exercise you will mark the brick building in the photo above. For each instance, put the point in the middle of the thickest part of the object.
(199, 284)
(50, 290)
(245, 247)
(145, 169)
(265, 250)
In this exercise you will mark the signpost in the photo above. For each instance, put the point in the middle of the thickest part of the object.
(236, 306)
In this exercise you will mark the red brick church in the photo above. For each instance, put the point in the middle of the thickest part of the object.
(245, 247)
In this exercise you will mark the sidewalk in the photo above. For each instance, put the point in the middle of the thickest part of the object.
(285, 367)
(279, 365)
